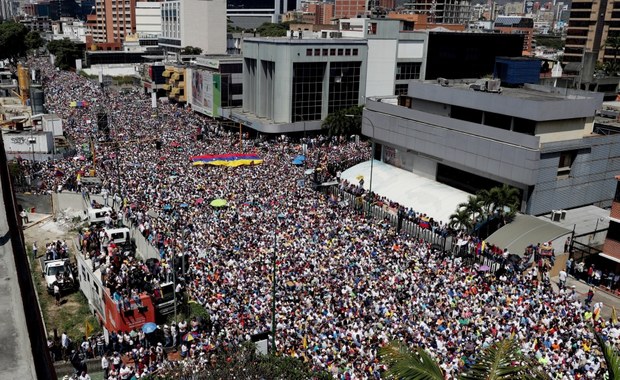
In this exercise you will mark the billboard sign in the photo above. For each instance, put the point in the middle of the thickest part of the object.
(206, 92)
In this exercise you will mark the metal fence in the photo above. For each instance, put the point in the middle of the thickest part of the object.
(400, 222)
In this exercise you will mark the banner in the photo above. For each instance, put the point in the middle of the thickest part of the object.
(206, 92)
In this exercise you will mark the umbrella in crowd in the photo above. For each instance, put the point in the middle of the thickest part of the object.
(149, 327)
(484, 268)
(190, 336)
(219, 202)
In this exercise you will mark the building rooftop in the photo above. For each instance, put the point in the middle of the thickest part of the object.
(307, 41)
(527, 92)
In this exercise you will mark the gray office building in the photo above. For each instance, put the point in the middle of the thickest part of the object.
(291, 84)
(538, 139)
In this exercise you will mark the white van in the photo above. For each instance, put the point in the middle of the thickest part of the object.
(118, 236)
(97, 215)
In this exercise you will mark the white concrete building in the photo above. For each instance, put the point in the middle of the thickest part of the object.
(70, 28)
(148, 19)
(394, 58)
(197, 23)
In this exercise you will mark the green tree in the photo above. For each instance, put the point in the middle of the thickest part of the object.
(612, 360)
(502, 360)
(269, 29)
(65, 51)
(33, 40)
(461, 219)
(473, 207)
(612, 43)
(191, 50)
(344, 122)
(504, 197)
(12, 42)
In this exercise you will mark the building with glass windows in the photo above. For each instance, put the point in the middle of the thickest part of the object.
(291, 84)
(196, 23)
(541, 140)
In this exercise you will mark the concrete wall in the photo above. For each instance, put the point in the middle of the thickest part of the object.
(381, 67)
(203, 25)
(527, 105)
(559, 130)
(502, 155)
(591, 180)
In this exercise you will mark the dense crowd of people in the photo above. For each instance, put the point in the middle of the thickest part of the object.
(346, 284)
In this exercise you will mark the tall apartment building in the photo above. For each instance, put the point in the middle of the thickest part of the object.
(323, 12)
(115, 19)
(250, 14)
(517, 25)
(197, 23)
(443, 11)
(589, 25)
(349, 8)
(148, 18)
(8, 9)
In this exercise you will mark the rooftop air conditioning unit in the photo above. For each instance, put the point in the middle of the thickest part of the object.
(563, 212)
(335, 34)
(556, 215)
(443, 82)
(493, 85)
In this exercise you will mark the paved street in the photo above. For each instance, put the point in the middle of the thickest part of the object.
(16, 360)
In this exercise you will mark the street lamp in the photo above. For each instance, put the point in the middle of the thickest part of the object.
(279, 217)
(372, 157)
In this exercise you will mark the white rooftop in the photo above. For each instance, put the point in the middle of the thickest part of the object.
(422, 194)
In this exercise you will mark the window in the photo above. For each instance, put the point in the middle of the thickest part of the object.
(332, 51)
(325, 52)
(566, 162)
(401, 89)
(317, 52)
(344, 83)
(308, 52)
(408, 70)
(307, 90)
(355, 51)
(340, 51)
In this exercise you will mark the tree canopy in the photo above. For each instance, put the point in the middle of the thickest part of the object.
(33, 40)
(191, 50)
(269, 29)
(12, 41)
(344, 122)
(65, 51)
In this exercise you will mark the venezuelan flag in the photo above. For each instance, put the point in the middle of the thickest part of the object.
(425, 222)
(229, 159)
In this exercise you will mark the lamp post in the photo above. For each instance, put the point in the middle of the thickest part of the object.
(279, 217)
(372, 158)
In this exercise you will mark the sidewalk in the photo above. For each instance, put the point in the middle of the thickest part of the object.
(607, 298)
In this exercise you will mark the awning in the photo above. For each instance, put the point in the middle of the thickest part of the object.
(525, 230)
(609, 257)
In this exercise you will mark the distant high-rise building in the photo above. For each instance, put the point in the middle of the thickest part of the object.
(114, 20)
(195, 23)
(588, 28)
(349, 8)
(8, 9)
(249, 14)
(443, 11)
(323, 12)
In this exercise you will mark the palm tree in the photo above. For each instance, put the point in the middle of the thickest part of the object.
(473, 206)
(502, 360)
(486, 201)
(612, 42)
(406, 364)
(611, 358)
(460, 220)
(505, 196)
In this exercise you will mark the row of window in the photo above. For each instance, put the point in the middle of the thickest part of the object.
(333, 52)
